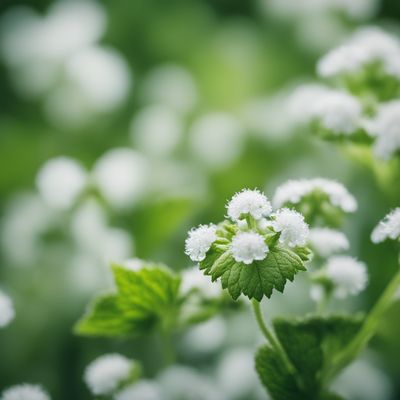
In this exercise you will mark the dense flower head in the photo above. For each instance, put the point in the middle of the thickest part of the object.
(326, 241)
(25, 391)
(367, 46)
(193, 279)
(385, 128)
(145, 389)
(7, 312)
(104, 375)
(388, 227)
(247, 247)
(199, 241)
(293, 230)
(348, 275)
(248, 202)
(293, 191)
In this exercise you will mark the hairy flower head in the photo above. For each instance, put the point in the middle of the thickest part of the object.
(293, 230)
(199, 241)
(388, 227)
(247, 247)
(326, 241)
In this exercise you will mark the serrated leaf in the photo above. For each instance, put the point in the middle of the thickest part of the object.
(257, 279)
(144, 299)
(312, 342)
(274, 375)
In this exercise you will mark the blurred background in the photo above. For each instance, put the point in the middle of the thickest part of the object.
(154, 113)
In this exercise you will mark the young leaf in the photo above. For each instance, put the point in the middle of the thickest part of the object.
(144, 299)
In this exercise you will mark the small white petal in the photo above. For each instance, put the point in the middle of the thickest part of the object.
(290, 223)
(199, 241)
(247, 247)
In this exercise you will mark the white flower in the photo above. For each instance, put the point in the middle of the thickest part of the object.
(317, 292)
(293, 191)
(143, 390)
(388, 227)
(104, 375)
(327, 241)
(7, 312)
(25, 391)
(194, 279)
(367, 46)
(385, 127)
(60, 181)
(347, 274)
(199, 241)
(290, 223)
(248, 246)
(133, 264)
(248, 202)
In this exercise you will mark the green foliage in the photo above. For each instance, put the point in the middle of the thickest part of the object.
(144, 299)
(310, 344)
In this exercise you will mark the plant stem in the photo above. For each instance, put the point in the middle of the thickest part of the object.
(368, 329)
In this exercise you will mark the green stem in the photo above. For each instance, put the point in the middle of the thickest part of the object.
(368, 329)
(168, 348)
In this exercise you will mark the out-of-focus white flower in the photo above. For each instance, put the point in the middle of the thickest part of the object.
(326, 241)
(317, 293)
(156, 130)
(348, 275)
(104, 375)
(248, 202)
(121, 176)
(199, 241)
(293, 230)
(293, 191)
(133, 264)
(216, 140)
(385, 127)
(247, 247)
(388, 227)
(25, 391)
(60, 181)
(7, 312)
(171, 85)
(194, 279)
(143, 390)
(178, 382)
(367, 46)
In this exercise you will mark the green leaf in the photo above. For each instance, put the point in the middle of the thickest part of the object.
(144, 299)
(274, 375)
(257, 279)
(312, 342)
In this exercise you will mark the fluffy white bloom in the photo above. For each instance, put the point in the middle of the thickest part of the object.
(248, 202)
(7, 312)
(385, 127)
(194, 279)
(326, 242)
(133, 264)
(143, 390)
(106, 373)
(290, 223)
(347, 274)
(248, 246)
(60, 181)
(388, 228)
(367, 46)
(121, 175)
(25, 391)
(293, 191)
(199, 241)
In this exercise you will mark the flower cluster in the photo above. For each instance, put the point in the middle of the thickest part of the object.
(388, 227)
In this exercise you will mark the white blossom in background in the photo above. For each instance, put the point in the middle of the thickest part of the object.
(143, 390)
(25, 391)
(133, 264)
(7, 312)
(248, 202)
(385, 128)
(170, 85)
(60, 181)
(348, 275)
(121, 175)
(367, 46)
(216, 140)
(293, 191)
(293, 229)
(116, 245)
(388, 227)
(247, 247)
(156, 130)
(194, 279)
(104, 375)
(317, 293)
(326, 241)
(199, 241)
